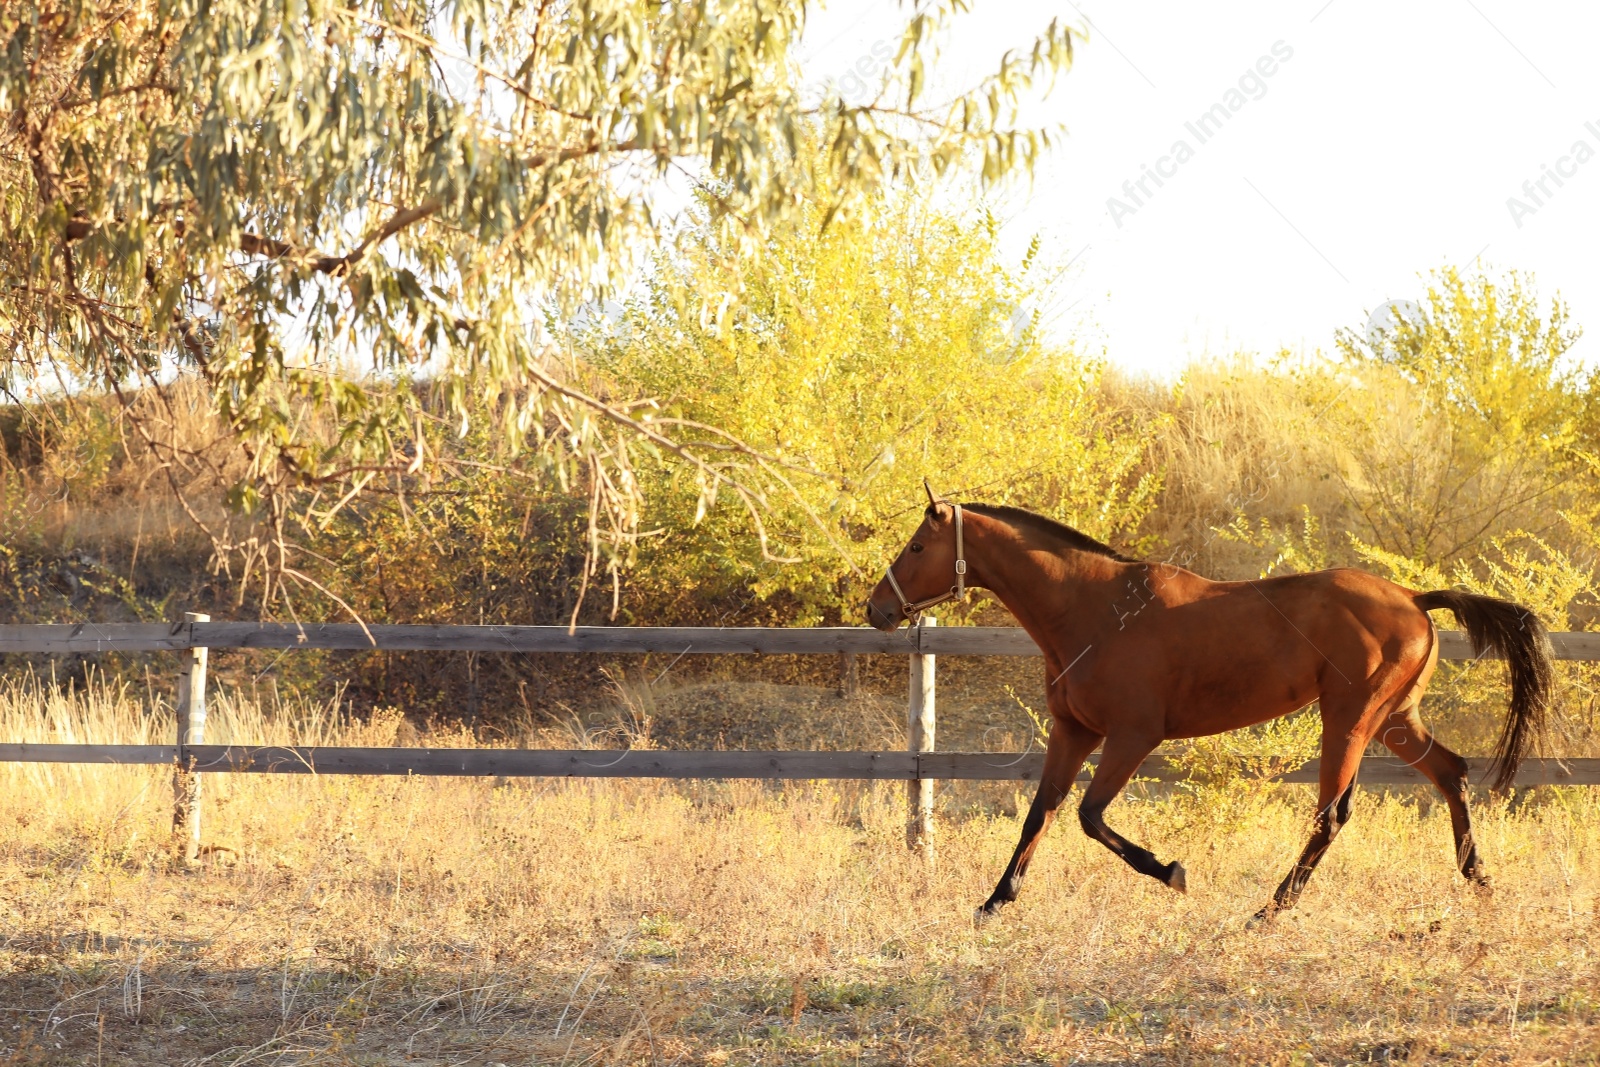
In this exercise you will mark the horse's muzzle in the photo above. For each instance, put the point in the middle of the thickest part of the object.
(882, 618)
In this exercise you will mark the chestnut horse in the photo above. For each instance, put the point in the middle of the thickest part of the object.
(1137, 653)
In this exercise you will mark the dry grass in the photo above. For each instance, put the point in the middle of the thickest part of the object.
(379, 921)
(1235, 439)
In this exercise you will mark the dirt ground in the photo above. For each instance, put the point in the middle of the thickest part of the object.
(468, 922)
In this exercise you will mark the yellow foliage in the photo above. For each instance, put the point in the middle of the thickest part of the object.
(1466, 424)
(862, 358)
(1246, 760)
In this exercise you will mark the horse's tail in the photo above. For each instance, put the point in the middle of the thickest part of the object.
(1517, 634)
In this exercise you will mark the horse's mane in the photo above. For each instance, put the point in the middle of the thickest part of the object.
(1060, 531)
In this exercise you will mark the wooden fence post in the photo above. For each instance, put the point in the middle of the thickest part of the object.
(920, 737)
(849, 675)
(191, 731)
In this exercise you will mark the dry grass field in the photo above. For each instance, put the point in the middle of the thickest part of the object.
(410, 921)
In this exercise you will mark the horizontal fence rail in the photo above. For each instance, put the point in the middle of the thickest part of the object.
(703, 640)
(650, 763)
(920, 766)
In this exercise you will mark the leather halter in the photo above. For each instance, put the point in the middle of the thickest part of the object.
(955, 592)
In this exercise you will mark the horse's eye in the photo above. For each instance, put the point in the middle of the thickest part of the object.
(915, 547)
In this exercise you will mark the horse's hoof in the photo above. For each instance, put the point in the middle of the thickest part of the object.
(981, 916)
(1176, 877)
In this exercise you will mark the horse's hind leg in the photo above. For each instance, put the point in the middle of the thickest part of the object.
(1120, 759)
(1341, 756)
(1407, 738)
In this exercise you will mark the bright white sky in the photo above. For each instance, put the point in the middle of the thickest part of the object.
(1385, 146)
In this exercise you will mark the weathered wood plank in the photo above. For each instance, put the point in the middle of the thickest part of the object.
(616, 639)
(1533, 772)
(1548, 771)
(556, 763)
(954, 766)
(129, 754)
(90, 637)
(1026, 767)
(694, 640)
(1453, 644)
(1014, 641)
(1575, 645)
(978, 641)
(982, 766)
(1014, 766)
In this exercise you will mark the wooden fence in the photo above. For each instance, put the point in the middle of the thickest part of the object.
(920, 766)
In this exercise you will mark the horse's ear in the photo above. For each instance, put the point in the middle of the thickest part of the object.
(933, 500)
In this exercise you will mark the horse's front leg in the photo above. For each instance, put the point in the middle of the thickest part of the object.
(1069, 745)
(1121, 758)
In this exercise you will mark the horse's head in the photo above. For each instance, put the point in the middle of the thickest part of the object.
(929, 570)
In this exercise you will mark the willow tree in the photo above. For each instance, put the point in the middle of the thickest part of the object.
(310, 203)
